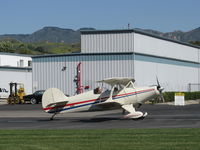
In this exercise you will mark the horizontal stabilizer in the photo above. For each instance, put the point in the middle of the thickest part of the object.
(55, 107)
(57, 104)
(53, 99)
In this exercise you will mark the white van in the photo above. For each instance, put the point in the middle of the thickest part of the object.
(3, 93)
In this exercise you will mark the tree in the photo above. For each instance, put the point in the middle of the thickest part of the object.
(40, 49)
(6, 46)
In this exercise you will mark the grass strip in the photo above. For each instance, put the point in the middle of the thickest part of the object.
(112, 139)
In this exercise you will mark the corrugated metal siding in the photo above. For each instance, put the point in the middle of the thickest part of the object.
(47, 71)
(19, 76)
(9, 59)
(199, 67)
(154, 46)
(174, 75)
(137, 42)
(171, 77)
(109, 42)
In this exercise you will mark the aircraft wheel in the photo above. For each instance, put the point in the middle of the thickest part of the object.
(33, 101)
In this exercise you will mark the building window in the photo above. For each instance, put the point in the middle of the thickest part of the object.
(29, 63)
(21, 63)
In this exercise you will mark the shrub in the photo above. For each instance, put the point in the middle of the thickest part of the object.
(169, 96)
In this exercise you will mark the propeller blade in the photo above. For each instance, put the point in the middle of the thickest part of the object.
(157, 81)
(160, 89)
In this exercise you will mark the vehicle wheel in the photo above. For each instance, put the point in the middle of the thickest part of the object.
(33, 101)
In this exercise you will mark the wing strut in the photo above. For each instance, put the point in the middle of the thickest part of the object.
(110, 99)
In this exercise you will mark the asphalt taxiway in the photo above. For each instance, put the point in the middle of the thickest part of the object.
(159, 116)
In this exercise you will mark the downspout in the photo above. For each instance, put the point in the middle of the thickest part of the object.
(133, 48)
(199, 70)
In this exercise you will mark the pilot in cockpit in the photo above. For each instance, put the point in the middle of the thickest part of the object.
(98, 90)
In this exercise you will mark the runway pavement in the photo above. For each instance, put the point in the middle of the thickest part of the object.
(159, 116)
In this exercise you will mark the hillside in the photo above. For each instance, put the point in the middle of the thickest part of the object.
(54, 40)
(193, 35)
(15, 46)
(49, 34)
(69, 36)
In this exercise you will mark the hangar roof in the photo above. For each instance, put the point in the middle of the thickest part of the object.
(15, 54)
(136, 31)
(81, 54)
(115, 53)
(28, 69)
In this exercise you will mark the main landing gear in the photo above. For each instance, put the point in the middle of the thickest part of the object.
(52, 117)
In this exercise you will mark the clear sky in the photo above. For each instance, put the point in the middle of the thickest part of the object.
(27, 16)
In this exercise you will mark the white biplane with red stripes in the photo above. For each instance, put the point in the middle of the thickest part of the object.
(122, 92)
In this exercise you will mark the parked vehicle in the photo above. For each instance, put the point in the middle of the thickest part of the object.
(3, 93)
(34, 98)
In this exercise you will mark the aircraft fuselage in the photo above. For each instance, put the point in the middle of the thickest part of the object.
(85, 101)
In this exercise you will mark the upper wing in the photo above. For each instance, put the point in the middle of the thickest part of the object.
(117, 80)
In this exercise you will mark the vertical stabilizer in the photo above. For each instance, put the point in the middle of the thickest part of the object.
(53, 96)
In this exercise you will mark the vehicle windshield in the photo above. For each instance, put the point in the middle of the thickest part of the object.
(39, 92)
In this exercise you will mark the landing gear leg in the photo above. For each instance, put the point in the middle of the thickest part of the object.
(53, 116)
(123, 111)
(139, 105)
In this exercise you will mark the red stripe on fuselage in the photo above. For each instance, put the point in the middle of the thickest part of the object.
(87, 101)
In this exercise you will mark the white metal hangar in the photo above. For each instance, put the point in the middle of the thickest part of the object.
(17, 75)
(15, 68)
(121, 53)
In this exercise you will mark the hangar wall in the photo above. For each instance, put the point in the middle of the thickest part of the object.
(177, 63)
(107, 41)
(121, 53)
(19, 75)
(174, 75)
(159, 47)
(15, 68)
(47, 70)
(15, 60)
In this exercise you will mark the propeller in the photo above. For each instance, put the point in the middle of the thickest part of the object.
(160, 89)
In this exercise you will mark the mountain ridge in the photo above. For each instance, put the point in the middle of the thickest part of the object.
(49, 34)
(192, 35)
(70, 36)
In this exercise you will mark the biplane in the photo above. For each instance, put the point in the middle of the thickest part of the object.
(122, 92)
